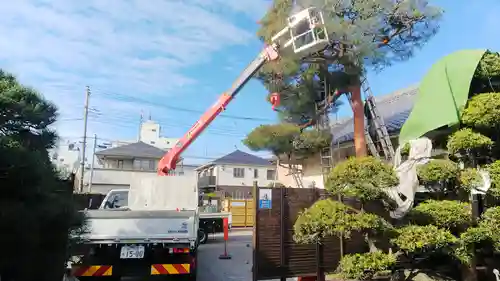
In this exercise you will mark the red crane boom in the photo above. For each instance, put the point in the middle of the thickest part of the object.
(169, 161)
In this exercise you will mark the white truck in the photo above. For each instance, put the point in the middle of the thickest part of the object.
(153, 232)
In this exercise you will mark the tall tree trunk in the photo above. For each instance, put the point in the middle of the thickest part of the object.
(359, 120)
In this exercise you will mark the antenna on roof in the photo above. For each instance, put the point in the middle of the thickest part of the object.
(141, 120)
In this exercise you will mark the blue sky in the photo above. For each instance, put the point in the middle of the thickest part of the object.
(172, 59)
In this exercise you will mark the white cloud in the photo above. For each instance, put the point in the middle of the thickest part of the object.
(124, 46)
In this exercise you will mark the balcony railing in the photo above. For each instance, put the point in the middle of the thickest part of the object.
(206, 181)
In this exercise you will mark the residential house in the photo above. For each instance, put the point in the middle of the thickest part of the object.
(233, 175)
(394, 108)
(120, 165)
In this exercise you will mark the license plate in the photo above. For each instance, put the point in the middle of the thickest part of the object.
(132, 252)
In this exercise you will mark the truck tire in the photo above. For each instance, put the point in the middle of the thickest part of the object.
(202, 236)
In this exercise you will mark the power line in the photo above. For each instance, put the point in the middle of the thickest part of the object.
(124, 124)
(124, 97)
(219, 155)
(214, 130)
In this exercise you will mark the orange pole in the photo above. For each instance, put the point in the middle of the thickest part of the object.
(226, 228)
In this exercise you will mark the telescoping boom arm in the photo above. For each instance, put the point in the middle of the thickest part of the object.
(304, 32)
(170, 159)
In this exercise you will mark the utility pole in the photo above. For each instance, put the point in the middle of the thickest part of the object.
(92, 164)
(84, 145)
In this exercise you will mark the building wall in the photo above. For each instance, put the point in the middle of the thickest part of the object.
(225, 175)
(284, 176)
(105, 179)
(150, 134)
(312, 172)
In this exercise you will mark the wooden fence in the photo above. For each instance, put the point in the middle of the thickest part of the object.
(276, 255)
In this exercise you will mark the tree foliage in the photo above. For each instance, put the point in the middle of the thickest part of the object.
(363, 178)
(36, 206)
(439, 231)
(287, 139)
(438, 171)
(363, 33)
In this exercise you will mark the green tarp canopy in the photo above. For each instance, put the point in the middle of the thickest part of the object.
(442, 94)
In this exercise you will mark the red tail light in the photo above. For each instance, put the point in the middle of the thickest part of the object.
(181, 250)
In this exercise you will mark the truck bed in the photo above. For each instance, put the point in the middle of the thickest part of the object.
(144, 226)
(218, 215)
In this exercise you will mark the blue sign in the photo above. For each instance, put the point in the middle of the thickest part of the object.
(264, 204)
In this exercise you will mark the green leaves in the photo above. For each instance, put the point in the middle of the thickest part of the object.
(489, 66)
(470, 179)
(447, 214)
(359, 28)
(365, 266)
(332, 218)
(364, 178)
(286, 138)
(494, 170)
(35, 205)
(275, 138)
(418, 239)
(465, 140)
(437, 171)
(483, 111)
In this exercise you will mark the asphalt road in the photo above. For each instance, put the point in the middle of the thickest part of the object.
(211, 268)
(238, 268)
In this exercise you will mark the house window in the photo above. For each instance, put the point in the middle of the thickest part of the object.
(145, 165)
(271, 174)
(255, 173)
(238, 172)
(119, 164)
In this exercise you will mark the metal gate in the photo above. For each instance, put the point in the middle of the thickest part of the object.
(242, 212)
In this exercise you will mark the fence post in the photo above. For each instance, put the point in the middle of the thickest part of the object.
(320, 275)
(282, 233)
(255, 231)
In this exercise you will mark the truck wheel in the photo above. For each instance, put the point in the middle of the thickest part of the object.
(202, 236)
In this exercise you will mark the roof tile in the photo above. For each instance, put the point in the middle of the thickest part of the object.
(243, 158)
(135, 150)
(394, 108)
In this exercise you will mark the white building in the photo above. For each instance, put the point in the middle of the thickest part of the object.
(66, 158)
(233, 175)
(150, 134)
(119, 165)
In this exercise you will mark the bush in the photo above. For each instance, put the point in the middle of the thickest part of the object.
(438, 171)
(470, 179)
(420, 239)
(483, 111)
(364, 178)
(465, 140)
(332, 218)
(366, 266)
(441, 213)
(494, 170)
